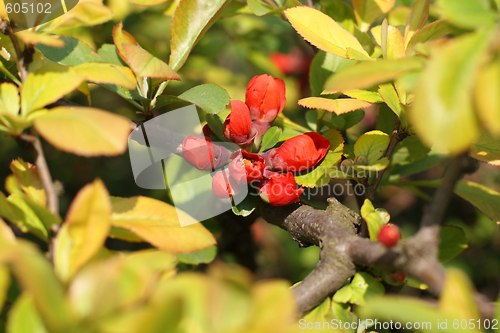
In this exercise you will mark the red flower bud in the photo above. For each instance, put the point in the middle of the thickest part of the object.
(300, 152)
(207, 132)
(280, 189)
(238, 125)
(203, 154)
(265, 97)
(223, 185)
(389, 235)
(247, 168)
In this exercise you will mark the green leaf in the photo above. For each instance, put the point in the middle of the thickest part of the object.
(270, 138)
(391, 98)
(339, 106)
(430, 32)
(191, 20)
(46, 86)
(443, 112)
(366, 74)
(258, 7)
(290, 128)
(417, 18)
(209, 97)
(452, 241)
(409, 150)
(372, 145)
(415, 167)
(74, 52)
(485, 199)
(378, 165)
(216, 124)
(109, 53)
(157, 223)
(373, 220)
(319, 313)
(467, 14)
(97, 72)
(487, 149)
(487, 96)
(364, 95)
(24, 317)
(322, 175)
(84, 131)
(248, 205)
(29, 181)
(364, 284)
(9, 99)
(368, 10)
(144, 64)
(324, 33)
(198, 257)
(322, 66)
(84, 231)
(343, 295)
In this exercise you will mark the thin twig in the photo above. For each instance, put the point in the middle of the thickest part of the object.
(396, 137)
(310, 3)
(22, 64)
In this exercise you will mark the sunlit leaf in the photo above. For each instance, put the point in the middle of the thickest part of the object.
(84, 231)
(147, 2)
(324, 33)
(270, 138)
(430, 32)
(84, 131)
(452, 241)
(368, 10)
(486, 149)
(33, 38)
(417, 18)
(364, 285)
(364, 95)
(366, 75)
(209, 97)
(443, 113)
(198, 257)
(373, 220)
(121, 37)
(457, 297)
(157, 223)
(6, 232)
(144, 64)
(4, 283)
(28, 179)
(9, 99)
(339, 105)
(192, 18)
(46, 86)
(85, 13)
(107, 73)
(372, 145)
(488, 97)
(484, 198)
(393, 46)
(391, 98)
(468, 14)
(24, 317)
(321, 175)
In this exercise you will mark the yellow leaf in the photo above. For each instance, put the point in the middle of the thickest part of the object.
(443, 113)
(9, 99)
(85, 13)
(121, 37)
(157, 223)
(84, 231)
(372, 145)
(33, 38)
(99, 72)
(367, 11)
(323, 32)
(487, 96)
(457, 298)
(46, 86)
(147, 2)
(6, 233)
(144, 64)
(339, 106)
(392, 42)
(84, 131)
(28, 179)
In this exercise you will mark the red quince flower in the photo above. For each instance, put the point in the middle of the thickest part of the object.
(247, 167)
(280, 189)
(203, 154)
(265, 97)
(299, 153)
(238, 125)
(223, 185)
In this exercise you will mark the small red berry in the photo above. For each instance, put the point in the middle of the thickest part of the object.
(389, 235)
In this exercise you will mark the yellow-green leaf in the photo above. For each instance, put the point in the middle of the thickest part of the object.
(84, 231)
(323, 32)
(147, 2)
(157, 223)
(84, 131)
(486, 149)
(467, 14)
(28, 179)
(488, 97)
(430, 32)
(484, 198)
(321, 175)
(339, 106)
(9, 99)
(6, 233)
(443, 113)
(373, 220)
(417, 18)
(372, 145)
(368, 74)
(144, 64)
(364, 95)
(367, 11)
(4, 283)
(457, 297)
(99, 72)
(33, 38)
(24, 317)
(46, 86)
(391, 98)
(121, 37)
(85, 13)
(393, 46)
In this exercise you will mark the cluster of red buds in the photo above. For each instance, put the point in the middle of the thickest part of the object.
(272, 171)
